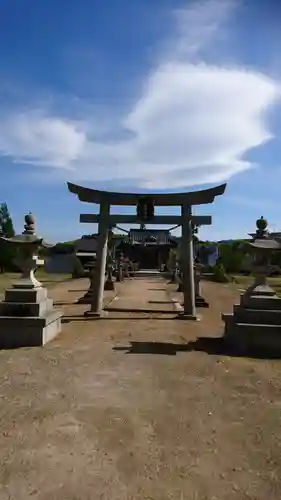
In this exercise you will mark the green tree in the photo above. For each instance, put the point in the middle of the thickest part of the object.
(232, 256)
(6, 223)
(7, 253)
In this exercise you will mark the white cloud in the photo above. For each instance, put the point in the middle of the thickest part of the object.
(35, 138)
(193, 123)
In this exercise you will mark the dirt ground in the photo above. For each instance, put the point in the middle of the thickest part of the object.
(139, 406)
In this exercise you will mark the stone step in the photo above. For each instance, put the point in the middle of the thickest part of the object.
(261, 302)
(247, 338)
(20, 309)
(229, 320)
(29, 331)
(147, 273)
(26, 296)
(257, 316)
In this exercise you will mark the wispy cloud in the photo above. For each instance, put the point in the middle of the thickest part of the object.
(202, 23)
(192, 124)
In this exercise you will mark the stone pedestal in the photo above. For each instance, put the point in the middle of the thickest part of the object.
(119, 274)
(126, 273)
(109, 283)
(88, 297)
(255, 324)
(28, 318)
(27, 315)
(173, 278)
(199, 299)
(254, 327)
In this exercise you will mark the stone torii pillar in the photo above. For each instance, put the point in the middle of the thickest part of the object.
(189, 311)
(97, 297)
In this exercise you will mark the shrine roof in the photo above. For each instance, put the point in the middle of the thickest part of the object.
(156, 236)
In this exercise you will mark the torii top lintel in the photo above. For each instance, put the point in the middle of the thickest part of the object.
(202, 197)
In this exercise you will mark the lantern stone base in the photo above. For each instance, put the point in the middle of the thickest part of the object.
(28, 318)
(254, 327)
(200, 301)
(109, 285)
(87, 298)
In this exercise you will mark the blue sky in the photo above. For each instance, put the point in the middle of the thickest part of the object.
(162, 95)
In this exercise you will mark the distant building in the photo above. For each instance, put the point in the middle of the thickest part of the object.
(149, 247)
(86, 249)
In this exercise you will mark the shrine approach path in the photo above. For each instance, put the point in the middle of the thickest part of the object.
(139, 406)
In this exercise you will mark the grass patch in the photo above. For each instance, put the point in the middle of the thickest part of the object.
(242, 281)
(7, 279)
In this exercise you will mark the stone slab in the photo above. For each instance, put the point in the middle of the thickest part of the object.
(261, 302)
(29, 331)
(257, 316)
(263, 290)
(25, 295)
(248, 338)
(21, 309)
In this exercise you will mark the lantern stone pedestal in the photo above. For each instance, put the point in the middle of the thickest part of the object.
(27, 315)
(254, 327)
(255, 324)
(87, 297)
(199, 299)
(109, 283)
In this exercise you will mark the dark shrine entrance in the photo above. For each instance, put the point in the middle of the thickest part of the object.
(149, 248)
(148, 258)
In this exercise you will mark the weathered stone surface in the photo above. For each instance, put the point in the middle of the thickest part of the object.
(23, 295)
(29, 331)
(27, 315)
(255, 324)
(21, 309)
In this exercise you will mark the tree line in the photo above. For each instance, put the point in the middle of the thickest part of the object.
(233, 257)
(7, 253)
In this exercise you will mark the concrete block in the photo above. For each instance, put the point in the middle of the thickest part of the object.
(25, 295)
(29, 331)
(24, 309)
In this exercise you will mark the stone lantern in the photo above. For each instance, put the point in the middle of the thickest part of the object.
(261, 249)
(255, 324)
(27, 315)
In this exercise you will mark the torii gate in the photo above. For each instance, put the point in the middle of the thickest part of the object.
(106, 220)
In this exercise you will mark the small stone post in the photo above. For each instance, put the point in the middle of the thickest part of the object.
(118, 271)
(199, 299)
(88, 297)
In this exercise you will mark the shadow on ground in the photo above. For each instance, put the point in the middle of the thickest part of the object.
(209, 345)
(157, 289)
(63, 303)
(164, 317)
